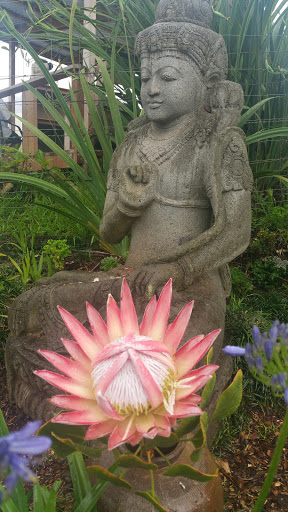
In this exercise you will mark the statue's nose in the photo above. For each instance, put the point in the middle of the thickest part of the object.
(154, 87)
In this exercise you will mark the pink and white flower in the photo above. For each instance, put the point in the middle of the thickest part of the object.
(125, 380)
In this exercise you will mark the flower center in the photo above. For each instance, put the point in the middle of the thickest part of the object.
(135, 374)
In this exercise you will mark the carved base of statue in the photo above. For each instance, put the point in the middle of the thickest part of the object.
(35, 324)
(176, 494)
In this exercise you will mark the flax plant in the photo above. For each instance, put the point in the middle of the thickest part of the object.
(256, 36)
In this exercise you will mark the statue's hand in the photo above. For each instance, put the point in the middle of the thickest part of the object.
(150, 279)
(137, 187)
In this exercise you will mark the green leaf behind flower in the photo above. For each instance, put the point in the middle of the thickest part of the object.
(189, 472)
(132, 461)
(148, 496)
(230, 399)
(106, 476)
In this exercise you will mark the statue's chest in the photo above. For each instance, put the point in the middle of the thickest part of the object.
(180, 169)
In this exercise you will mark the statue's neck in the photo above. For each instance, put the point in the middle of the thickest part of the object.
(168, 129)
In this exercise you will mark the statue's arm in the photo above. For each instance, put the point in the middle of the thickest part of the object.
(114, 224)
(130, 189)
(229, 244)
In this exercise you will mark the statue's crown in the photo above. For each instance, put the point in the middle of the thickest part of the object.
(198, 12)
(182, 27)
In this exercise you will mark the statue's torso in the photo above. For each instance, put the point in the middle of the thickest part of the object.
(181, 209)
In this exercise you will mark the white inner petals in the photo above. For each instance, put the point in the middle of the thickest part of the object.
(125, 389)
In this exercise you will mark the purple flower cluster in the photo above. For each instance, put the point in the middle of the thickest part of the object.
(267, 356)
(17, 450)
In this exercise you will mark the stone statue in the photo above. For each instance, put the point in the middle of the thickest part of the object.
(180, 183)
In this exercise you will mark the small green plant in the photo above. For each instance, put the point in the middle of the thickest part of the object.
(30, 266)
(109, 263)
(266, 273)
(57, 251)
(241, 283)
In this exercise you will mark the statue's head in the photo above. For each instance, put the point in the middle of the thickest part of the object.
(182, 29)
(183, 55)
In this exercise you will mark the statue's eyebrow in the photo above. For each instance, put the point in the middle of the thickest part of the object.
(167, 68)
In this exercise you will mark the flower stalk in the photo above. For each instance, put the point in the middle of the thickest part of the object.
(258, 507)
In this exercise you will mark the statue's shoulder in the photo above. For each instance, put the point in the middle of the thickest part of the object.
(136, 129)
(236, 173)
(137, 125)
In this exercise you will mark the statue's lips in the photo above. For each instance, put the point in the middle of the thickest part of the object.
(155, 104)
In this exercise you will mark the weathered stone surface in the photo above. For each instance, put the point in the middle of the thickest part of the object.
(180, 183)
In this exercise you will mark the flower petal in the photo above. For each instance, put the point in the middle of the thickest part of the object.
(68, 385)
(100, 429)
(148, 317)
(75, 403)
(184, 410)
(76, 352)
(163, 425)
(190, 354)
(197, 384)
(33, 446)
(208, 369)
(160, 319)
(80, 417)
(29, 429)
(71, 368)
(114, 324)
(122, 432)
(111, 372)
(86, 341)
(161, 357)
(144, 423)
(135, 439)
(98, 326)
(176, 330)
(107, 408)
(127, 308)
(146, 379)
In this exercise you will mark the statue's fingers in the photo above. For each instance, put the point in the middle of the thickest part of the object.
(145, 173)
(138, 176)
(131, 172)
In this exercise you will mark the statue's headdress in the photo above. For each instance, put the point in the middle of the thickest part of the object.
(182, 26)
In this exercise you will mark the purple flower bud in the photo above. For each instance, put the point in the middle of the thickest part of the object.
(232, 350)
(282, 380)
(249, 349)
(268, 347)
(286, 396)
(250, 361)
(274, 381)
(283, 333)
(273, 334)
(259, 364)
(257, 336)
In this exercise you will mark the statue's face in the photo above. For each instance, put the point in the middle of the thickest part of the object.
(171, 88)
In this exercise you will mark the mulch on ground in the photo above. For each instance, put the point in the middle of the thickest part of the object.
(244, 464)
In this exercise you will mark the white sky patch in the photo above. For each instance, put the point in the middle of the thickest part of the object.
(23, 63)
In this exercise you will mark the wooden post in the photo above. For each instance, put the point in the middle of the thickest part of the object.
(89, 60)
(29, 112)
(12, 72)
